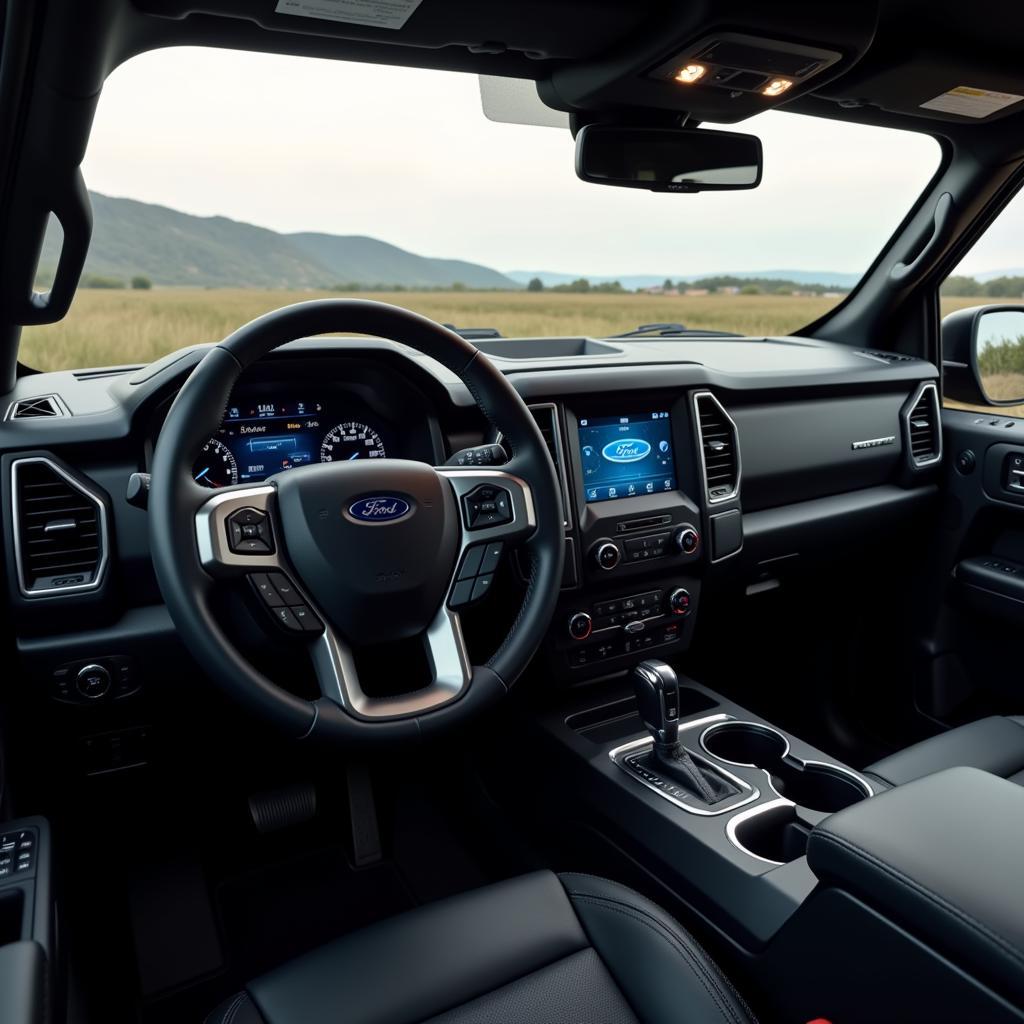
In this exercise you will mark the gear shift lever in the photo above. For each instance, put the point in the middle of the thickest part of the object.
(657, 698)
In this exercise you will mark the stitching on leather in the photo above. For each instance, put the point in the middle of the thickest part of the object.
(231, 1012)
(707, 980)
(850, 847)
(683, 936)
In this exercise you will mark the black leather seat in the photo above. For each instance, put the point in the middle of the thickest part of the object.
(993, 744)
(540, 949)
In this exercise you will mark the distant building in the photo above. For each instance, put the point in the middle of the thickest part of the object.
(729, 289)
(696, 291)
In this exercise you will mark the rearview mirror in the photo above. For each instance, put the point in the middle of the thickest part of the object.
(983, 355)
(668, 159)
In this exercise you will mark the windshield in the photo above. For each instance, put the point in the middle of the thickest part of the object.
(226, 184)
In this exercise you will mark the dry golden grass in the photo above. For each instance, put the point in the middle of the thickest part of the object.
(119, 326)
(113, 327)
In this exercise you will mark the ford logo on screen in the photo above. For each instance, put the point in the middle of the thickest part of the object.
(626, 449)
(383, 508)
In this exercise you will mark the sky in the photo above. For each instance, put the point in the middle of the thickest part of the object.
(406, 155)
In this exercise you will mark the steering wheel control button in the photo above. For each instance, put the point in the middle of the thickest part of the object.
(606, 555)
(93, 681)
(285, 617)
(306, 619)
(266, 590)
(580, 626)
(285, 588)
(249, 532)
(679, 602)
(491, 556)
(284, 603)
(461, 594)
(476, 573)
(487, 505)
(471, 563)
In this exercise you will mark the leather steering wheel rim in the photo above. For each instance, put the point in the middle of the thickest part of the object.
(175, 498)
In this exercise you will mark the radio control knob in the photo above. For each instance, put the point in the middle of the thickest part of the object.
(606, 554)
(580, 625)
(679, 602)
(686, 540)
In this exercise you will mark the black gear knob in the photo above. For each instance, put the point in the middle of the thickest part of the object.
(657, 698)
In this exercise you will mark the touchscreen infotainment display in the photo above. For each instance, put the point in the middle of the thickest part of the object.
(626, 456)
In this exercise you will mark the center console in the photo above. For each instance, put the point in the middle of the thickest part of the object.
(645, 486)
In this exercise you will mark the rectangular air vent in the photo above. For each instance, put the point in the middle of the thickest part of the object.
(40, 407)
(546, 417)
(883, 357)
(924, 427)
(719, 448)
(60, 535)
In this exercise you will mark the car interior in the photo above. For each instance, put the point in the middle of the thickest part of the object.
(658, 678)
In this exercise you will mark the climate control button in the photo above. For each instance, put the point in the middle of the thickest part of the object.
(580, 625)
(680, 602)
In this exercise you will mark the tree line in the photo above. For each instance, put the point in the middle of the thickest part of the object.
(960, 286)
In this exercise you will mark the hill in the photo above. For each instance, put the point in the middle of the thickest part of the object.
(174, 248)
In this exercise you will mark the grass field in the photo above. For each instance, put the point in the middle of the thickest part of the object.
(117, 327)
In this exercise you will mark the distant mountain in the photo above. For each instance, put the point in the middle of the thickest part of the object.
(174, 248)
(827, 278)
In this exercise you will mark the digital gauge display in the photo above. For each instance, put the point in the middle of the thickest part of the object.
(266, 436)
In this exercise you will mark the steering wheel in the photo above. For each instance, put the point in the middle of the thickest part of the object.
(372, 551)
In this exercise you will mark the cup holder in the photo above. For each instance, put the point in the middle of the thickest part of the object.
(773, 833)
(811, 784)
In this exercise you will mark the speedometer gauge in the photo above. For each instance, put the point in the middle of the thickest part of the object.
(348, 441)
(216, 465)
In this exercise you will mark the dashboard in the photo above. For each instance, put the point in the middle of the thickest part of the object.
(683, 466)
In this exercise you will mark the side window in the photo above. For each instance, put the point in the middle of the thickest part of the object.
(992, 274)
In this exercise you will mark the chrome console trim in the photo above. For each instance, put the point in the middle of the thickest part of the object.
(747, 793)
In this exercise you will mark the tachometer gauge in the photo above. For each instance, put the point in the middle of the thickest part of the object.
(216, 465)
(349, 441)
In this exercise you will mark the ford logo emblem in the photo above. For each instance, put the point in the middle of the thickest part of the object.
(383, 508)
(626, 449)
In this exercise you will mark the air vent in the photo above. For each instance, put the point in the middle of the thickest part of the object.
(546, 417)
(41, 407)
(719, 448)
(924, 428)
(883, 357)
(59, 530)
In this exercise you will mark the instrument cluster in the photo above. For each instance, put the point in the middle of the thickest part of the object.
(265, 435)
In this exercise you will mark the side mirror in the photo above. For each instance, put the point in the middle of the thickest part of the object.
(667, 159)
(983, 355)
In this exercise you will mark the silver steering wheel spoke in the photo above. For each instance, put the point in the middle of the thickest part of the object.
(339, 681)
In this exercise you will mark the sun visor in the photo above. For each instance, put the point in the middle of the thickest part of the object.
(515, 101)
